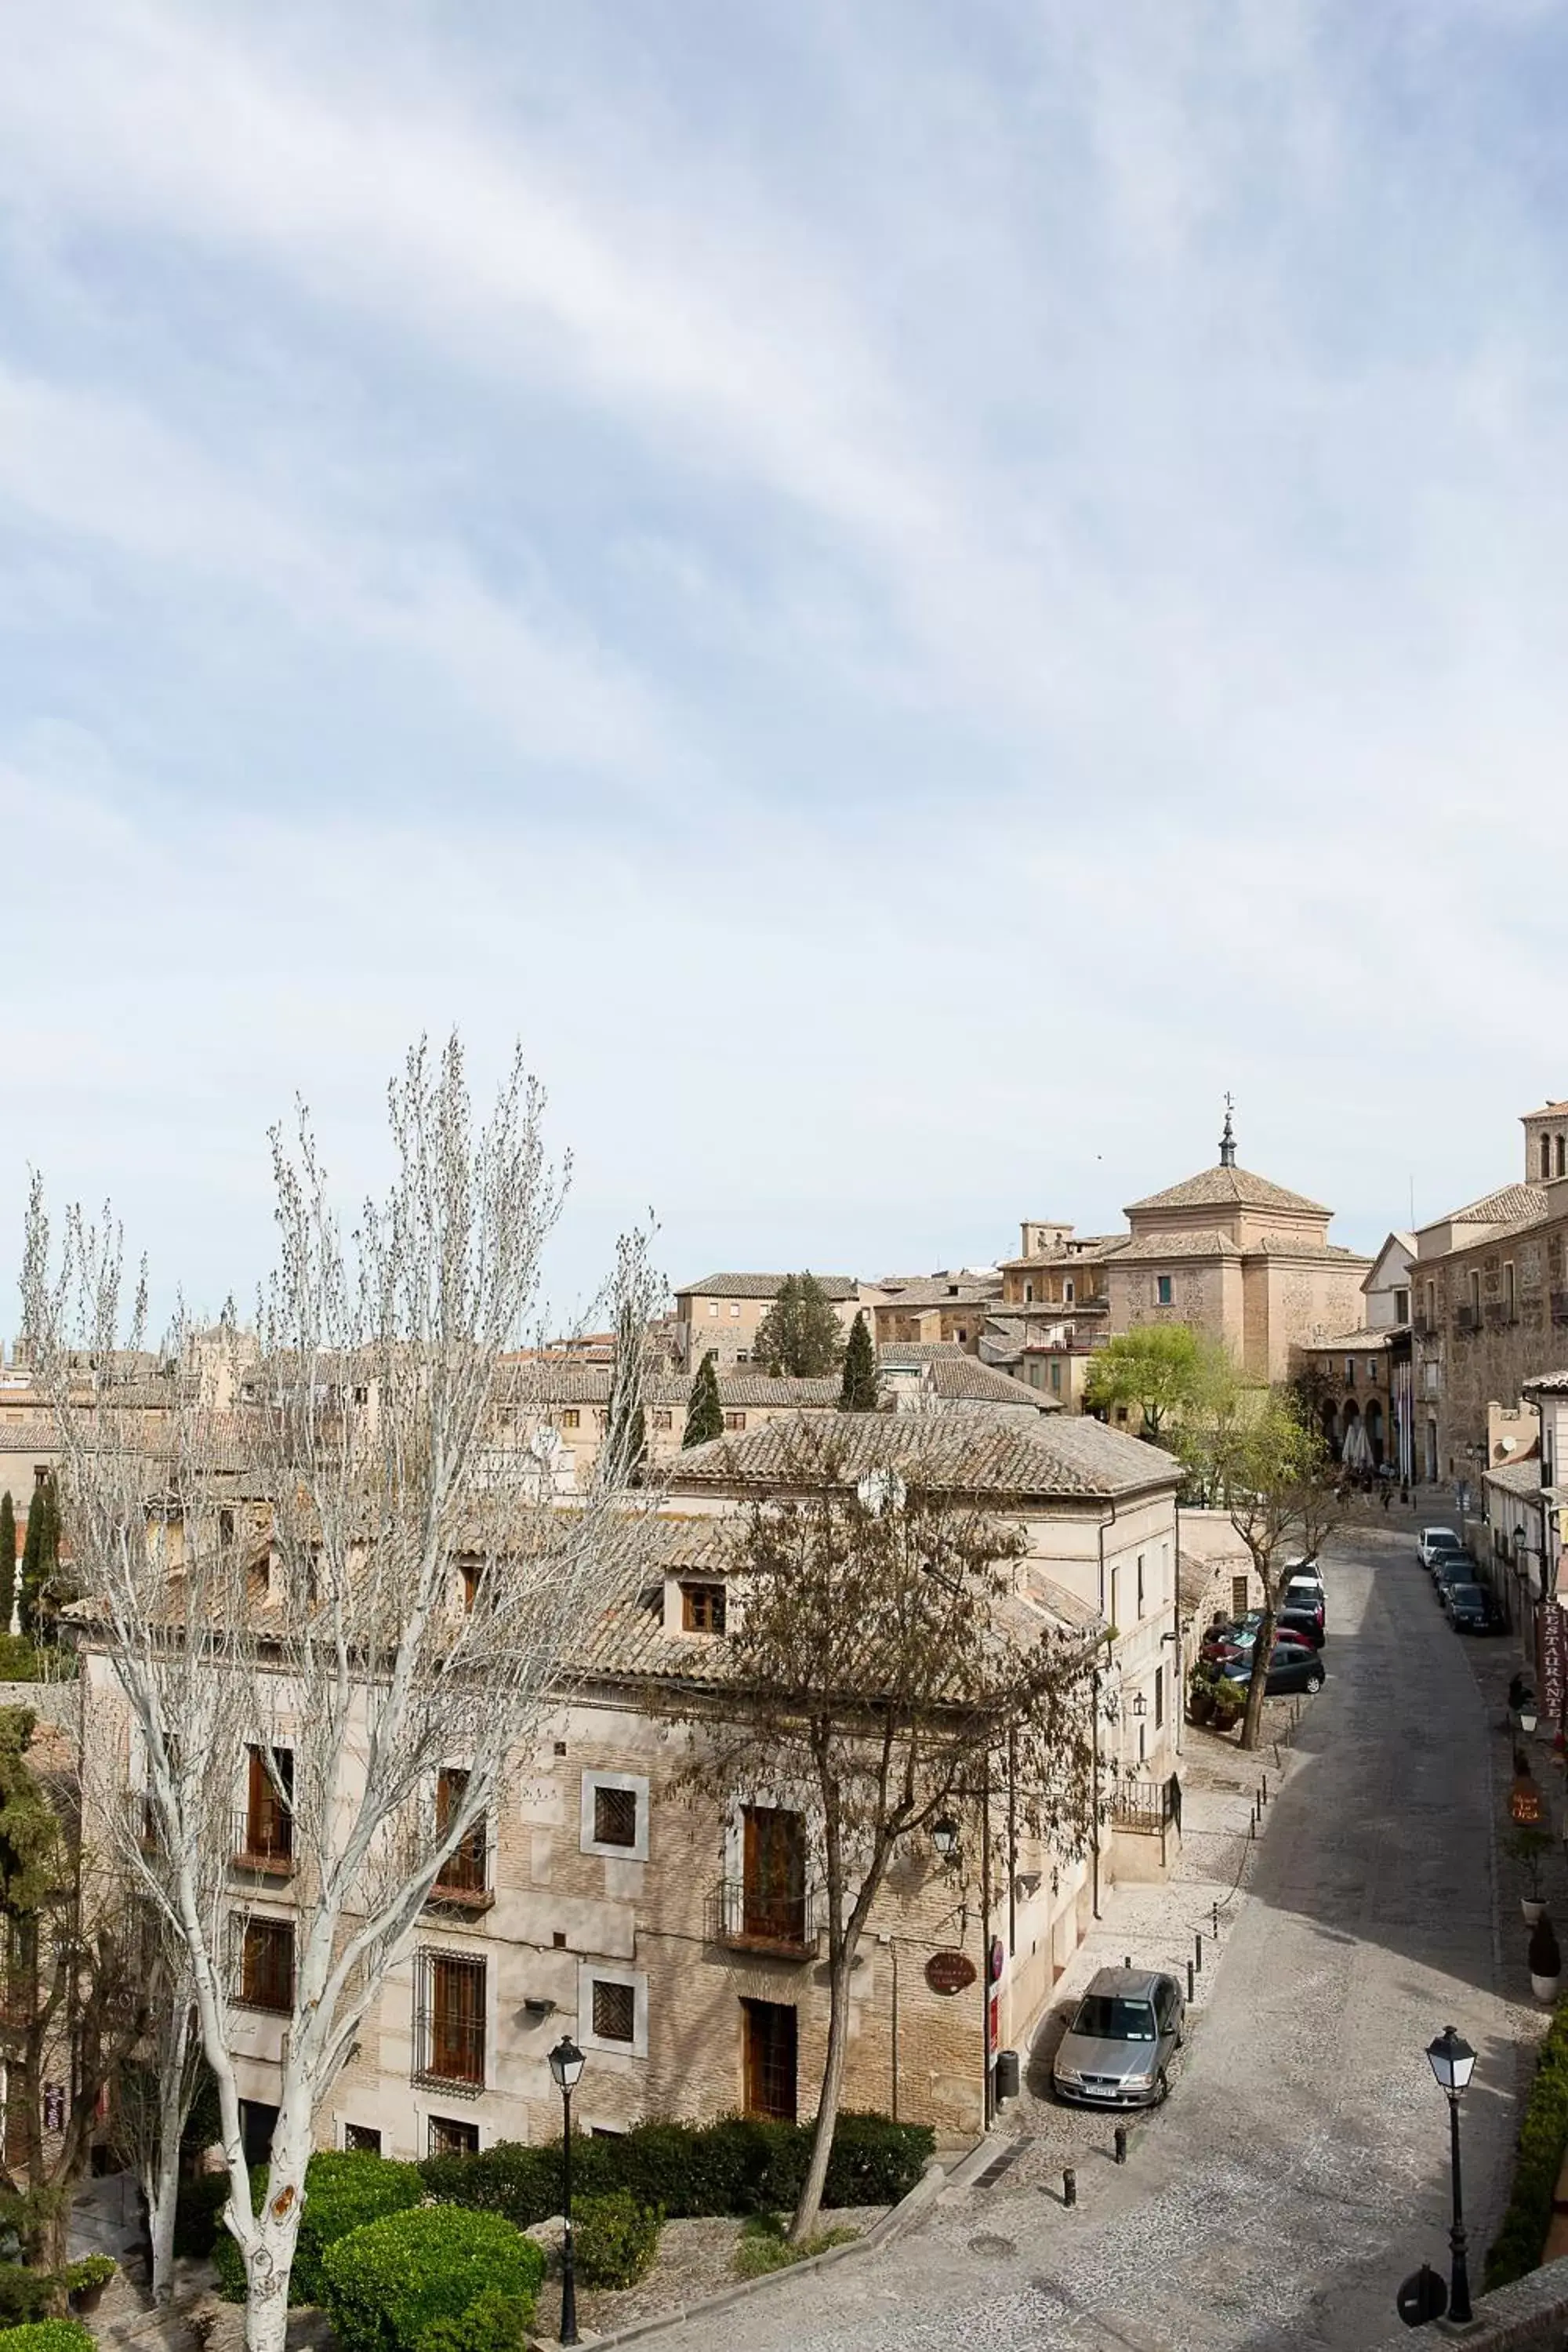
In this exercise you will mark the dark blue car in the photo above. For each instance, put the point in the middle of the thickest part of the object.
(1290, 1668)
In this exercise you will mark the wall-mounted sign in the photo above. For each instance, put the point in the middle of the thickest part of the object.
(998, 1959)
(950, 1971)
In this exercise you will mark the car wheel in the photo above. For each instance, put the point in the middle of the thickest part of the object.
(1314, 1682)
(1162, 2088)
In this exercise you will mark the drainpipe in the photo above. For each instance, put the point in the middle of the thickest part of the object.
(1094, 1692)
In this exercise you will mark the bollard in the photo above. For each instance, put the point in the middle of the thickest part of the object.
(1127, 1960)
(1121, 2143)
(1216, 1923)
(1252, 1827)
(1069, 2186)
(1190, 1988)
(1198, 1943)
(1263, 1793)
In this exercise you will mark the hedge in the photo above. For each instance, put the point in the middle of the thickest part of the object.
(1542, 2143)
(741, 2165)
(47, 2335)
(25, 2294)
(343, 2189)
(614, 2238)
(388, 2282)
(496, 2322)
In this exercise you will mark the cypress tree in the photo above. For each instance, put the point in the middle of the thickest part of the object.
(7, 1560)
(40, 1556)
(704, 1413)
(859, 1393)
(776, 1343)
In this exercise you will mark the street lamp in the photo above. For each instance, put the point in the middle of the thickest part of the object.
(944, 1837)
(1454, 2062)
(567, 2063)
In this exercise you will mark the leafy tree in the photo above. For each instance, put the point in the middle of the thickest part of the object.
(887, 1678)
(800, 1334)
(72, 2010)
(859, 1393)
(1163, 1368)
(40, 1556)
(7, 1560)
(704, 1413)
(626, 1427)
(1271, 1471)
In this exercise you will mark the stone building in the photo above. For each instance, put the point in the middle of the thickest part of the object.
(1489, 1304)
(680, 1943)
(723, 1311)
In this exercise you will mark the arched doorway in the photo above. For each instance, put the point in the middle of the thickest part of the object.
(1371, 1421)
(1331, 1420)
(1350, 1414)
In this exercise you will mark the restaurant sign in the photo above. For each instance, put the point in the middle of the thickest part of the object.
(950, 1971)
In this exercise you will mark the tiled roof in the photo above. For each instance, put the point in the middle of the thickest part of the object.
(1164, 1246)
(1547, 1110)
(1546, 1384)
(1043, 1310)
(1362, 1342)
(1303, 1245)
(969, 1452)
(1228, 1188)
(40, 1437)
(763, 1286)
(939, 1290)
(1088, 1252)
(545, 1385)
(908, 1355)
(1509, 1204)
(1521, 1477)
(964, 1380)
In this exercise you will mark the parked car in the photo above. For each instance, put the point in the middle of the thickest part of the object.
(1455, 1567)
(1304, 1621)
(1305, 1572)
(1289, 1669)
(1307, 1600)
(1471, 1608)
(1432, 1541)
(1241, 1634)
(1123, 2035)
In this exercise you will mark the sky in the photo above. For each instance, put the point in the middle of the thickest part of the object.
(906, 595)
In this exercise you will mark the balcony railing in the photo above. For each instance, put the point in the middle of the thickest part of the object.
(1468, 1318)
(1500, 1316)
(264, 1844)
(463, 1883)
(1146, 1805)
(749, 1918)
(1420, 1329)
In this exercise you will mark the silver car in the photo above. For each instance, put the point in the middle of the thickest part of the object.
(1124, 2033)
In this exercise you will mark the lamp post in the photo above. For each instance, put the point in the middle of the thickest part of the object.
(567, 2063)
(1454, 2062)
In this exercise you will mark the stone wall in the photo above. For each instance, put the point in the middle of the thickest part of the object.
(1476, 1368)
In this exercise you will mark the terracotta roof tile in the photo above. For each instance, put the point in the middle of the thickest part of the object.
(763, 1286)
(970, 1452)
(1228, 1188)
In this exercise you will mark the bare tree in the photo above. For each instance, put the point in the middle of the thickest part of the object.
(338, 1579)
(885, 1651)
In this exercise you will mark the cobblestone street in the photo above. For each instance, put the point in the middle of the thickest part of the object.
(1299, 2168)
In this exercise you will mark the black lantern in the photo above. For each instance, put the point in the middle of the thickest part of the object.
(567, 2063)
(1453, 2061)
(944, 1837)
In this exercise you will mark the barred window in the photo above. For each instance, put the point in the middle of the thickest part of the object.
(449, 2137)
(266, 1965)
(615, 2011)
(449, 2018)
(614, 1816)
(703, 1607)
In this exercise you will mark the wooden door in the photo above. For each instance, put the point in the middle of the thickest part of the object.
(774, 1874)
(769, 2053)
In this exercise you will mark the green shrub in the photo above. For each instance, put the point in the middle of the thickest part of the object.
(92, 2270)
(197, 2205)
(614, 2238)
(386, 2284)
(1542, 2142)
(496, 2322)
(20, 1662)
(25, 2293)
(741, 2164)
(764, 2246)
(47, 2335)
(343, 2191)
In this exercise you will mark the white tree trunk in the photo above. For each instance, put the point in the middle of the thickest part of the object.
(810, 2205)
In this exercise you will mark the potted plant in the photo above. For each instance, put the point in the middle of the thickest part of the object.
(1200, 1697)
(1528, 1847)
(1229, 1704)
(1545, 1960)
(85, 2281)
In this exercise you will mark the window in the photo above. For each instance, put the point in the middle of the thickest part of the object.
(1028, 1294)
(1510, 1295)
(1164, 1290)
(663, 1418)
(774, 1906)
(1545, 1158)
(266, 1966)
(571, 1417)
(1431, 1304)
(1115, 1585)
(1562, 1155)
(1068, 1291)
(615, 2011)
(1476, 1292)
(713, 1307)
(267, 1831)
(1140, 1584)
(1057, 1377)
(1402, 1307)
(450, 2137)
(612, 2008)
(1238, 1596)
(362, 2140)
(734, 1421)
(1371, 1370)
(226, 1528)
(703, 1607)
(463, 1872)
(1158, 1698)
(613, 1815)
(734, 1310)
(449, 2018)
(1349, 1371)
(40, 1472)
(470, 1578)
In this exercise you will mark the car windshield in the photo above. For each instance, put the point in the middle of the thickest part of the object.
(1467, 1596)
(1104, 2017)
(1443, 1539)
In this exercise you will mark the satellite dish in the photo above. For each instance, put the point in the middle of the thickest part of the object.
(545, 1443)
